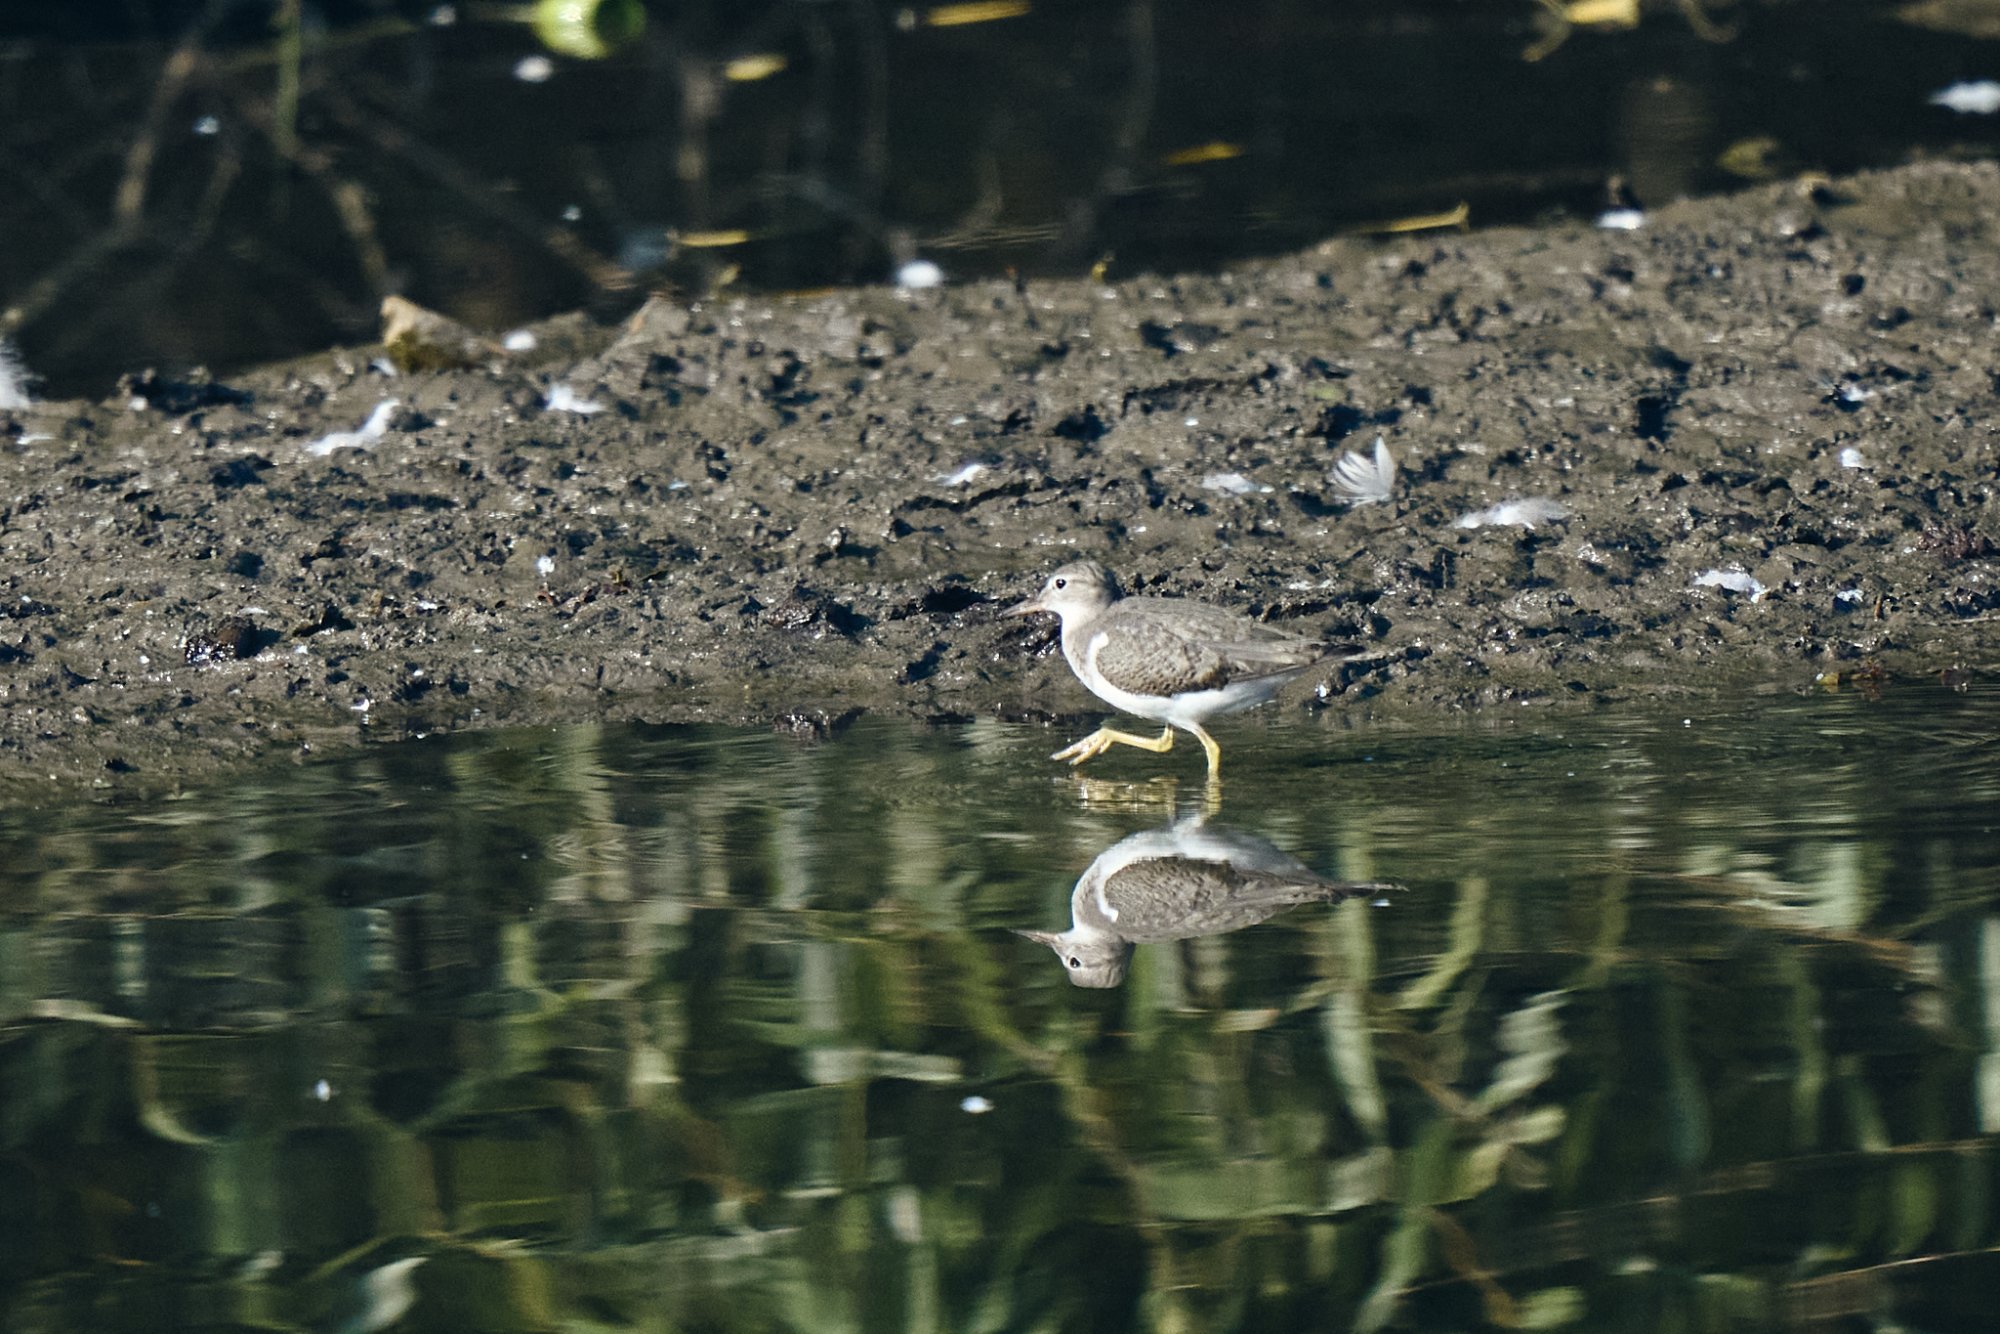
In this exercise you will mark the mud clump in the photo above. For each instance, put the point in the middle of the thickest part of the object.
(1751, 451)
(230, 639)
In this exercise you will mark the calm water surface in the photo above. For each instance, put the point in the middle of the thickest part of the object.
(1678, 1020)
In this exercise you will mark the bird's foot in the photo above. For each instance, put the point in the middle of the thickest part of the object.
(1214, 753)
(1087, 749)
(1104, 738)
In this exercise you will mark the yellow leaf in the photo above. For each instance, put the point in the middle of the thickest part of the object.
(978, 11)
(1602, 13)
(749, 69)
(718, 240)
(1425, 222)
(1200, 153)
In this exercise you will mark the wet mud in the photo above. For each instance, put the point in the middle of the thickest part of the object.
(1768, 420)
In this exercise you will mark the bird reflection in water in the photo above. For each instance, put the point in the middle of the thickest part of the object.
(1187, 879)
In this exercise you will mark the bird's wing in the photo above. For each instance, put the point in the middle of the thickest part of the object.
(1172, 898)
(1195, 648)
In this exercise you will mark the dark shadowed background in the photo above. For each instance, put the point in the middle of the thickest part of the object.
(236, 181)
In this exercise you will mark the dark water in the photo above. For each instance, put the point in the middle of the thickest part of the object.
(1679, 1020)
(207, 181)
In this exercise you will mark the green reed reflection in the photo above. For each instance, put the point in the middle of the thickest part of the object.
(1670, 1026)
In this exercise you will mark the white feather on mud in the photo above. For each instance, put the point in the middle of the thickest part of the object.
(367, 437)
(562, 398)
(964, 475)
(1366, 481)
(1735, 580)
(1525, 512)
(1235, 483)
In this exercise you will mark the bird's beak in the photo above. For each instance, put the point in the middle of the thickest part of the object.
(1028, 608)
(1053, 939)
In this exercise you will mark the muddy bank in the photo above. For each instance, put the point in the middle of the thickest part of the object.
(1769, 419)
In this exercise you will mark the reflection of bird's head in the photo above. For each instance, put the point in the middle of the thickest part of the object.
(1091, 961)
(1083, 588)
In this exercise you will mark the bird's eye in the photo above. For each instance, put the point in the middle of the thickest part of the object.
(1075, 962)
(1061, 583)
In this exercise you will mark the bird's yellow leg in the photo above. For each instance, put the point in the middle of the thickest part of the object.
(1214, 752)
(1104, 738)
(1211, 795)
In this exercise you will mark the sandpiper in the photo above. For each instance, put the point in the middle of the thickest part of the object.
(1174, 883)
(1168, 659)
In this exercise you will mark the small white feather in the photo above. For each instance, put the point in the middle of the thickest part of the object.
(965, 475)
(1235, 483)
(1362, 481)
(371, 431)
(1523, 513)
(562, 398)
(1734, 580)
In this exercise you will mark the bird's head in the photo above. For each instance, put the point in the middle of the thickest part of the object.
(1089, 962)
(1082, 588)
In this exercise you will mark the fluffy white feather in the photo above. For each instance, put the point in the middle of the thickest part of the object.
(1365, 481)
